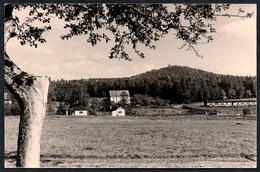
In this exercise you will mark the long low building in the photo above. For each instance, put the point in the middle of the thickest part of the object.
(233, 102)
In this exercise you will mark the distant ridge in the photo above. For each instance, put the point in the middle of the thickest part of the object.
(179, 70)
(178, 84)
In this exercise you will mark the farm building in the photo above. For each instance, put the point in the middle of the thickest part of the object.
(118, 112)
(117, 95)
(79, 110)
(232, 102)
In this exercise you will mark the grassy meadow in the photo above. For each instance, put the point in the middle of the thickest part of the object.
(131, 139)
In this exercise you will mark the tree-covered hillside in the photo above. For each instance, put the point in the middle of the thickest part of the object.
(175, 83)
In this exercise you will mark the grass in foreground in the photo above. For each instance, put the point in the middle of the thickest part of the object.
(134, 138)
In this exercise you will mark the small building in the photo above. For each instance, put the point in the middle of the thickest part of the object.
(118, 95)
(118, 112)
(79, 110)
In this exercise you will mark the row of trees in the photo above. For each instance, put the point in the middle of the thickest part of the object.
(174, 83)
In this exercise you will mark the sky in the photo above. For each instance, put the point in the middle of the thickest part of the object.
(233, 52)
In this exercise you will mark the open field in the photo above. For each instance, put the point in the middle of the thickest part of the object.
(152, 111)
(139, 142)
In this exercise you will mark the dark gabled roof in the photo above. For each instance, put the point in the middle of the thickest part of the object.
(117, 93)
(80, 107)
(98, 99)
(115, 108)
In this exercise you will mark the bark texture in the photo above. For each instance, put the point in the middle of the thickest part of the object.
(31, 93)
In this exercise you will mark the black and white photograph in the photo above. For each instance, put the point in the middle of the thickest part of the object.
(130, 85)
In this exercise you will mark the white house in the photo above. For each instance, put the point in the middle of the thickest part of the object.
(79, 110)
(117, 95)
(118, 112)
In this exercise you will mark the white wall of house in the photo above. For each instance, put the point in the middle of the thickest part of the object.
(234, 103)
(118, 112)
(117, 95)
(114, 99)
(118, 99)
(81, 112)
(128, 100)
(211, 104)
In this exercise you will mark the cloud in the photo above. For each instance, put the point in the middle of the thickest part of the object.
(244, 29)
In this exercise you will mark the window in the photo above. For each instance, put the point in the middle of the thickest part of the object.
(119, 111)
(80, 112)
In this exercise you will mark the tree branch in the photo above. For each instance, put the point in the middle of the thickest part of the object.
(247, 15)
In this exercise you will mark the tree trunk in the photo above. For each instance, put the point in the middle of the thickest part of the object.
(31, 93)
(31, 121)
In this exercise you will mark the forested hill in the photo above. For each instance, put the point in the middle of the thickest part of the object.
(175, 83)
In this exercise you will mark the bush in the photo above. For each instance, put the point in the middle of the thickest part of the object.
(51, 110)
(7, 109)
(246, 111)
(15, 108)
(12, 109)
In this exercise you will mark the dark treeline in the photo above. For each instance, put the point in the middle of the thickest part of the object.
(174, 83)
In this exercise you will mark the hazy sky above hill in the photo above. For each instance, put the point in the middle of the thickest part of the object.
(233, 51)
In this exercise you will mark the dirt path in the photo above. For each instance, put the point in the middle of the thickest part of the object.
(145, 163)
